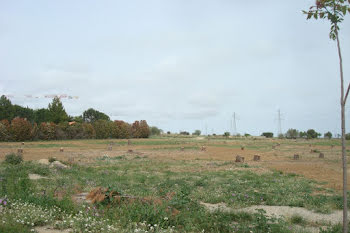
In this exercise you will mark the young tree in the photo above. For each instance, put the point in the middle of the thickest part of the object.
(197, 132)
(334, 11)
(57, 112)
(6, 109)
(91, 115)
(328, 135)
(292, 134)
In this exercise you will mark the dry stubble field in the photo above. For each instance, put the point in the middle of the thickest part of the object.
(170, 184)
(275, 153)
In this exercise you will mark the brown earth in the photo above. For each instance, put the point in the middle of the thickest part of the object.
(281, 158)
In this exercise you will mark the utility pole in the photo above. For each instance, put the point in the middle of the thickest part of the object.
(234, 125)
(279, 123)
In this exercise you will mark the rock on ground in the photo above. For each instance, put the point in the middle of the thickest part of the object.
(44, 161)
(58, 164)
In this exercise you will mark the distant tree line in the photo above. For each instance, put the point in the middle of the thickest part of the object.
(19, 123)
(294, 134)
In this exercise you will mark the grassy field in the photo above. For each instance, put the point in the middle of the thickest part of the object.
(154, 186)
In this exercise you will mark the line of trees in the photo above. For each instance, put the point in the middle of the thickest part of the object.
(294, 134)
(53, 123)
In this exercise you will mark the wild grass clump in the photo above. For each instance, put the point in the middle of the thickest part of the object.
(13, 159)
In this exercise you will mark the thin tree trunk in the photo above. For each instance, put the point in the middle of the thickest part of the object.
(342, 103)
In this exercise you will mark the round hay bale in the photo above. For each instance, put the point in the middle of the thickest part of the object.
(256, 158)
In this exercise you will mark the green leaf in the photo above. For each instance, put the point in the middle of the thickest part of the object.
(344, 10)
(309, 15)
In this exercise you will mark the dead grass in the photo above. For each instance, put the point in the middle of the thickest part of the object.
(326, 170)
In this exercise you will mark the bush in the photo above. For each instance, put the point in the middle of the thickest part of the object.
(227, 134)
(103, 129)
(328, 135)
(347, 136)
(47, 131)
(13, 159)
(197, 132)
(140, 129)
(292, 134)
(121, 130)
(155, 130)
(5, 134)
(184, 133)
(311, 133)
(21, 129)
(267, 134)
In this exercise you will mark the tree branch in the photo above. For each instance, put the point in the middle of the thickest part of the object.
(346, 95)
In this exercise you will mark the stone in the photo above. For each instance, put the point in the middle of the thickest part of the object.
(58, 164)
(44, 161)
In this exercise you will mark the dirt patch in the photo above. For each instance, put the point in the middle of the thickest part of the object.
(36, 177)
(282, 211)
(49, 229)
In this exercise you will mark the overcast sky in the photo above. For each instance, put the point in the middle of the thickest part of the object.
(179, 64)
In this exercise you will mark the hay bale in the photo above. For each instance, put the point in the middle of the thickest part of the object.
(239, 159)
(321, 156)
(296, 157)
(256, 158)
(61, 149)
(22, 143)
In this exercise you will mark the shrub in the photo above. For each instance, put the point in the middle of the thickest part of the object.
(21, 129)
(5, 134)
(347, 136)
(102, 128)
(13, 159)
(155, 130)
(52, 159)
(184, 133)
(47, 131)
(292, 134)
(311, 133)
(140, 129)
(227, 134)
(267, 134)
(197, 132)
(89, 131)
(121, 129)
(328, 135)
